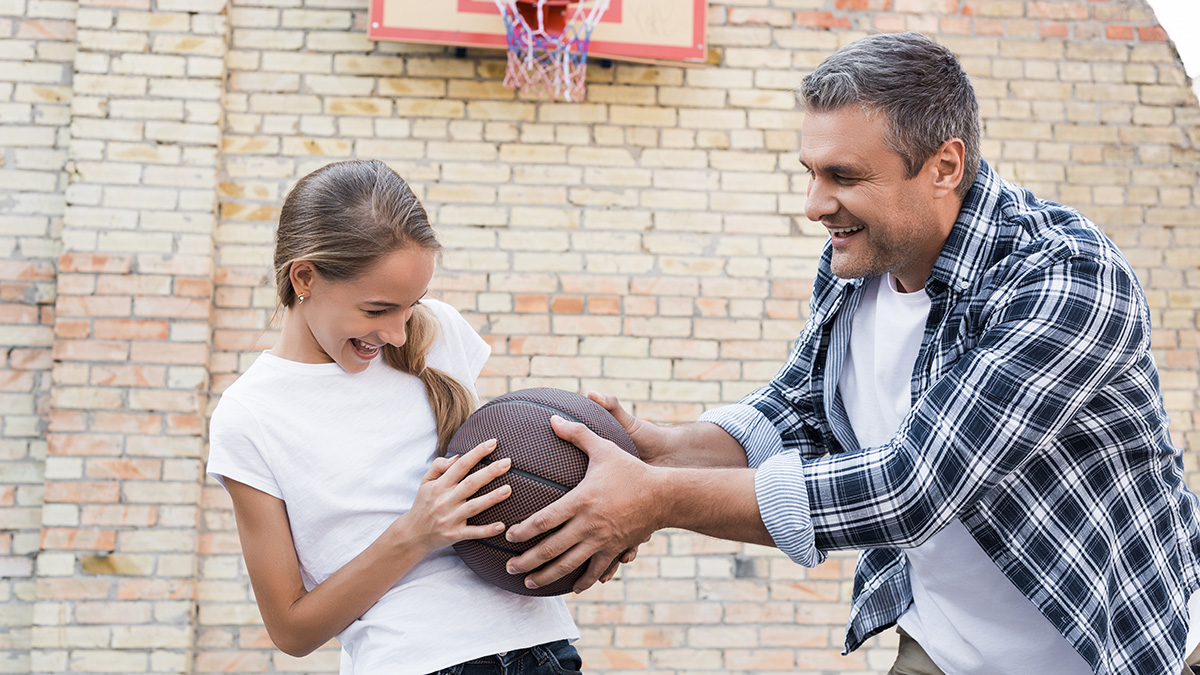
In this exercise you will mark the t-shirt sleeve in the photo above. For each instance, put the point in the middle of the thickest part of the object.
(236, 449)
(466, 352)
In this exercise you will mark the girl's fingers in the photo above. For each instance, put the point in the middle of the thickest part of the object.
(488, 473)
(467, 461)
(478, 505)
(481, 531)
(440, 465)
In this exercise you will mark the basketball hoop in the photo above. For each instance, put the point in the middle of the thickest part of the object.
(547, 45)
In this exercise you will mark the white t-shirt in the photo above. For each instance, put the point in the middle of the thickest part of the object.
(347, 452)
(966, 614)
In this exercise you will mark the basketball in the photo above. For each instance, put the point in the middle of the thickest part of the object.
(544, 468)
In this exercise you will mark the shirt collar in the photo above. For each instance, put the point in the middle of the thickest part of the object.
(968, 250)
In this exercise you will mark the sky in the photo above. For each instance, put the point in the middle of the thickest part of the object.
(1181, 19)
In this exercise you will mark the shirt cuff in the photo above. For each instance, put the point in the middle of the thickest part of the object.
(783, 505)
(748, 426)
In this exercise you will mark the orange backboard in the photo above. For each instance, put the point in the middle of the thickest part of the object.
(636, 30)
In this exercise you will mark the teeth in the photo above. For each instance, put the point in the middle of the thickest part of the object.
(366, 348)
(845, 230)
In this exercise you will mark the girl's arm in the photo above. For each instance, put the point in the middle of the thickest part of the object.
(300, 621)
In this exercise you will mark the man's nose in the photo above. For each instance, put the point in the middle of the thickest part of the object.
(820, 202)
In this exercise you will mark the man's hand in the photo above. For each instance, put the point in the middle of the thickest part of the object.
(694, 444)
(652, 441)
(612, 510)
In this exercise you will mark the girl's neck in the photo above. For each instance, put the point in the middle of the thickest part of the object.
(296, 341)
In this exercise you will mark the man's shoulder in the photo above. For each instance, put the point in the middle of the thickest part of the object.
(1043, 229)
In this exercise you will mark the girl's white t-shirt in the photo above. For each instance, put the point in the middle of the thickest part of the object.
(347, 452)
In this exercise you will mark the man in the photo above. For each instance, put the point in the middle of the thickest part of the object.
(972, 401)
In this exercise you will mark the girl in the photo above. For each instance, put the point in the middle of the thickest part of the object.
(327, 445)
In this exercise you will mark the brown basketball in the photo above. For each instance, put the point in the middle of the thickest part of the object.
(544, 468)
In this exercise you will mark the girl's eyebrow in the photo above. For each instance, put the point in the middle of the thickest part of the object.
(389, 305)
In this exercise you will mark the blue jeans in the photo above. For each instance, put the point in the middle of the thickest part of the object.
(552, 658)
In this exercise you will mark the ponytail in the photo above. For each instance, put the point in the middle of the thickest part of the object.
(452, 403)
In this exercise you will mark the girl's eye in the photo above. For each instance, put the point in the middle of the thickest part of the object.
(376, 313)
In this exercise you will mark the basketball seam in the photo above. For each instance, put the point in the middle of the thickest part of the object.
(494, 547)
(564, 413)
(532, 477)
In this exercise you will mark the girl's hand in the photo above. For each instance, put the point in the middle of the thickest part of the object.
(439, 515)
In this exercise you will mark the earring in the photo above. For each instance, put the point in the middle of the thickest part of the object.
(301, 299)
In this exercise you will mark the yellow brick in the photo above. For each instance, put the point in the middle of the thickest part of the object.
(358, 106)
(501, 110)
(191, 45)
(642, 116)
(292, 62)
(112, 41)
(247, 38)
(323, 147)
(110, 85)
(285, 103)
(419, 88)
(149, 22)
(323, 19)
(417, 107)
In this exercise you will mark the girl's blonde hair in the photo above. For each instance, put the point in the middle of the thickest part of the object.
(344, 218)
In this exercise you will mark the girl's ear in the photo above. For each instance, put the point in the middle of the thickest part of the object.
(302, 275)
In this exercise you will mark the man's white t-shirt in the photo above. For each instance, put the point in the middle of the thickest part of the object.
(966, 614)
(347, 452)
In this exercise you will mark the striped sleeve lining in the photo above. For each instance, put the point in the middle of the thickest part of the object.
(778, 482)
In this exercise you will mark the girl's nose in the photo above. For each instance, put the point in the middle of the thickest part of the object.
(394, 334)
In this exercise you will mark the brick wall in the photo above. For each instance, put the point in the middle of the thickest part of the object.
(36, 53)
(648, 242)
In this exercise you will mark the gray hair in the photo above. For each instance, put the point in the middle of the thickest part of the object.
(916, 82)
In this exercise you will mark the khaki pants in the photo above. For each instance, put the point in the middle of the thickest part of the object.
(911, 659)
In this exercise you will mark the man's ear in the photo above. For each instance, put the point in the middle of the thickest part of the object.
(302, 275)
(947, 166)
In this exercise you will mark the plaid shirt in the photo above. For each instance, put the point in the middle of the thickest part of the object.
(1036, 419)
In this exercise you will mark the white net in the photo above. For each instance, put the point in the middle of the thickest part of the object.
(547, 45)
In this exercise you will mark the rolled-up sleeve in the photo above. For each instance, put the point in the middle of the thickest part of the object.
(748, 426)
(778, 480)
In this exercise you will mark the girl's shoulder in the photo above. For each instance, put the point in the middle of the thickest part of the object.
(444, 311)
(458, 348)
(454, 327)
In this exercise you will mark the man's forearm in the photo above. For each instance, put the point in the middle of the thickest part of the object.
(717, 502)
(698, 444)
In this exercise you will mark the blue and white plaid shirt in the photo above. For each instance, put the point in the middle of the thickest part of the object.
(1036, 419)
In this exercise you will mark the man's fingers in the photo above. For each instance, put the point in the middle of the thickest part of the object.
(610, 572)
(558, 567)
(597, 568)
(577, 434)
(610, 403)
(544, 520)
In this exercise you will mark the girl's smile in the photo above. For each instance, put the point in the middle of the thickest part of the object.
(364, 350)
